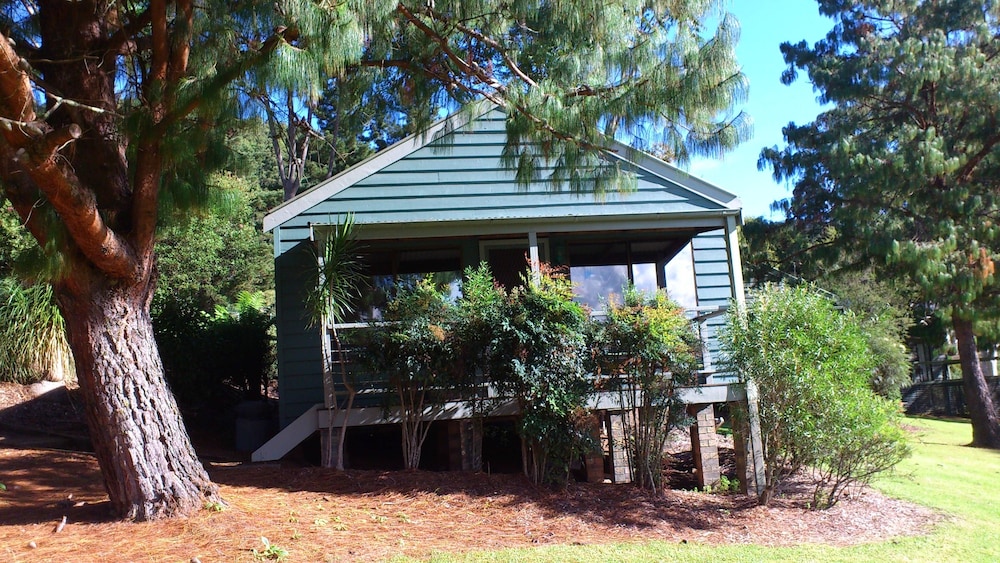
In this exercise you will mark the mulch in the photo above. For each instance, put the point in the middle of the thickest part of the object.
(318, 514)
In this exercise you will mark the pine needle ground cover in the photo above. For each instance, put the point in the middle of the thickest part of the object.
(315, 514)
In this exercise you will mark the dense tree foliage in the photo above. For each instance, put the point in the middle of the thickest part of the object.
(906, 165)
(32, 342)
(205, 258)
(655, 74)
(416, 349)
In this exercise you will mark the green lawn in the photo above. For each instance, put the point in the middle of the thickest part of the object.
(960, 482)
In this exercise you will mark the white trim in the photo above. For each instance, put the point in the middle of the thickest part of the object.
(289, 437)
(675, 175)
(512, 227)
(536, 264)
(735, 262)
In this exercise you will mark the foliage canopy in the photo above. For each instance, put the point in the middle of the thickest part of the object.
(812, 366)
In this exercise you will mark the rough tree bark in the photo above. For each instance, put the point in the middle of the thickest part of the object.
(149, 466)
(982, 410)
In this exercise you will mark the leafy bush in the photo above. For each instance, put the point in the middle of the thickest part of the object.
(812, 366)
(414, 348)
(205, 356)
(645, 349)
(32, 336)
(208, 256)
(884, 314)
(536, 355)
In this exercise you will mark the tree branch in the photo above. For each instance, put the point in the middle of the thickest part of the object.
(76, 206)
(464, 67)
(32, 160)
(965, 172)
(125, 35)
(489, 41)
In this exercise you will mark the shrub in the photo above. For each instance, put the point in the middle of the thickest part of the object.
(414, 348)
(885, 317)
(645, 349)
(206, 356)
(32, 336)
(812, 366)
(536, 355)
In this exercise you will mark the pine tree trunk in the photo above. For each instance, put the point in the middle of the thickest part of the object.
(985, 422)
(149, 467)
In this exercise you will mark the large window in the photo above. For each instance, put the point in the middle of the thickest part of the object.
(390, 269)
(600, 271)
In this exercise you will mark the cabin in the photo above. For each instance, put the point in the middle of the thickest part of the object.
(441, 200)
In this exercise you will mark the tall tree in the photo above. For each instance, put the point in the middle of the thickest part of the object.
(906, 165)
(107, 107)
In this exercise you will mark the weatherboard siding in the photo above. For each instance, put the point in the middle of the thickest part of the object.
(461, 178)
(300, 383)
(714, 288)
(457, 184)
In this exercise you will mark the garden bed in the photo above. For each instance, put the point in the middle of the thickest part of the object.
(317, 514)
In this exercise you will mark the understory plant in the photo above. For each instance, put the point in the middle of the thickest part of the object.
(206, 356)
(536, 355)
(414, 346)
(644, 350)
(335, 288)
(812, 367)
(32, 336)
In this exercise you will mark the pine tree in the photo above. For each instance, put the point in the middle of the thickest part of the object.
(906, 165)
(110, 110)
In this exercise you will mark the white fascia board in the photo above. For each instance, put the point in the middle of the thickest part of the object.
(403, 148)
(675, 175)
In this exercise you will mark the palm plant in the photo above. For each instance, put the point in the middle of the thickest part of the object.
(337, 283)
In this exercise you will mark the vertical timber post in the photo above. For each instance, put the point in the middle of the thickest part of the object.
(749, 445)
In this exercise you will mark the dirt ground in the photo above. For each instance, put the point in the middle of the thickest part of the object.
(322, 515)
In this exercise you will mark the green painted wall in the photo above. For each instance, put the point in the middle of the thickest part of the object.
(456, 180)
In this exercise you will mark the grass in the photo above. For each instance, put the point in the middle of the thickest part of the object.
(961, 483)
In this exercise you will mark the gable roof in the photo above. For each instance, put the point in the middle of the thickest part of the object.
(451, 172)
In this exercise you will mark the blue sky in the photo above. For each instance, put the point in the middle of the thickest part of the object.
(765, 25)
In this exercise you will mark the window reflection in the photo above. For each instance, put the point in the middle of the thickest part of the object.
(390, 270)
(601, 271)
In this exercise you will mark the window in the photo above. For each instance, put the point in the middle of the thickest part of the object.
(601, 271)
(390, 269)
(679, 273)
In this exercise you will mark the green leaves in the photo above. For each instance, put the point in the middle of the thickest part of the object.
(338, 278)
(909, 156)
(32, 339)
(645, 349)
(812, 366)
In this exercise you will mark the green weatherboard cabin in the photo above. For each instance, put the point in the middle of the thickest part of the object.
(442, 200)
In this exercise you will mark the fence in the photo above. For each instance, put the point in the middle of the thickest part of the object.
(942, 398)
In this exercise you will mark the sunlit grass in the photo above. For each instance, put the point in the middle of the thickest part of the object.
(960, 482)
